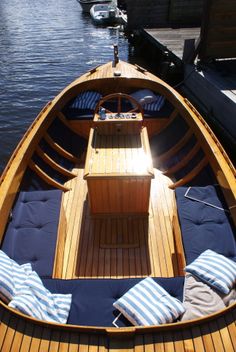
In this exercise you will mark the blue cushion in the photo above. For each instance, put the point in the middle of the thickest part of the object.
(204, 226)
(86, 100)
(32, 232)
(147, 303)
(215, 270)
(92, 299)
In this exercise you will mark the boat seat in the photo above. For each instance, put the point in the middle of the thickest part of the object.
(204, 226)
(92, 299)
(83, 106)
(31, 234)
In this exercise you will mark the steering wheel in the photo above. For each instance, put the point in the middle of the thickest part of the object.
(137, 107)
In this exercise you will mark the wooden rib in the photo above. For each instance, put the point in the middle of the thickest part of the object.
(173, 150)
(53, 164)
(59, 149)
(183, 162)
(193, 173)
(64, 120)
(171, 118)
(46, 177)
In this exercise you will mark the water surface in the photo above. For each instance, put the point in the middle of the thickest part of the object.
(44, 45)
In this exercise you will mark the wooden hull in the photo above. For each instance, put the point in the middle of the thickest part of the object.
(162, 254)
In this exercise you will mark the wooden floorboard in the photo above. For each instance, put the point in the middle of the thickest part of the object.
(116, 247)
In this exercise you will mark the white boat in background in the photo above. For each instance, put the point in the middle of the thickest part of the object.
(105, 14)
(87, 4)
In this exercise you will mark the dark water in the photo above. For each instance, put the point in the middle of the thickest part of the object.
(44, 45)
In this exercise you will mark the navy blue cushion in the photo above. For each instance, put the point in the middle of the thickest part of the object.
(204, 226)
(92, 300)
(32, 232)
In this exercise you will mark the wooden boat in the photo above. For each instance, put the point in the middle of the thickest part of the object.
(87, 4)
(116, 219)
(105, 14)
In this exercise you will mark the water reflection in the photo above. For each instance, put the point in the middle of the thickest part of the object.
(44, 45)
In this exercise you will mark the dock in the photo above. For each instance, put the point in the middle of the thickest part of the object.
(172, 40)
(198, 39)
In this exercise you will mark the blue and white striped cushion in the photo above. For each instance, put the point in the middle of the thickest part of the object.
(6, 279)
(33, 299)
(155, 105)
(86, 100)
(147, 303)
(214, 269)
(25, 291)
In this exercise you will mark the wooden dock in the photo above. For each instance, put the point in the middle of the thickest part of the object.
(171, 40)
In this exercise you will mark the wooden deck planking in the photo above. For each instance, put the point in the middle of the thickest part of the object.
(116, 247)
(172, 39)
(212, 336)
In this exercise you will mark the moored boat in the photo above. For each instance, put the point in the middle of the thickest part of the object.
(105, 14)
(118, 179)
(87, 4)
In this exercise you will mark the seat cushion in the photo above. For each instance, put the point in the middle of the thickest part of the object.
(204, 226)
(92, 300)
(148, 303)
(32, 232)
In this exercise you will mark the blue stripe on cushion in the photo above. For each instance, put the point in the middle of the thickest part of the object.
(147, 303)
(214, 269)
(86, 100)
(155, 105)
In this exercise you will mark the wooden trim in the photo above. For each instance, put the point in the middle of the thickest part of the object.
(178, 244)
(61, 240)
(183, 162)
(191, 174)
(45, 177)
(53, 164)
(173, 150)
(59, 149)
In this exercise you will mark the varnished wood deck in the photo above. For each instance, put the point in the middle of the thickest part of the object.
(18, 335)
(115, 247)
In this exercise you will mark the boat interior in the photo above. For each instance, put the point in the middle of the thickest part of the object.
(106, 189)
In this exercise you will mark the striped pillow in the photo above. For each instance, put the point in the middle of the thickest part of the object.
(155, 105)
(33, 299)
(26, 293)
(147, 303)
(6, 279)
(214, 269)
(86, 100)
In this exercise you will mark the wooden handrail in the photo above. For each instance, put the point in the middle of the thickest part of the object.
(53, 164)
(59, 149)
(46, 177)
(183, 162)
(173, 150)
(191, 174)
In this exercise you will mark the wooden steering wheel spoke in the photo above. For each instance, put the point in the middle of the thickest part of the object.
(136, 106)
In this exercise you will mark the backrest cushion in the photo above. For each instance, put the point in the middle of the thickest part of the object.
(214, 269)
(147, 303)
